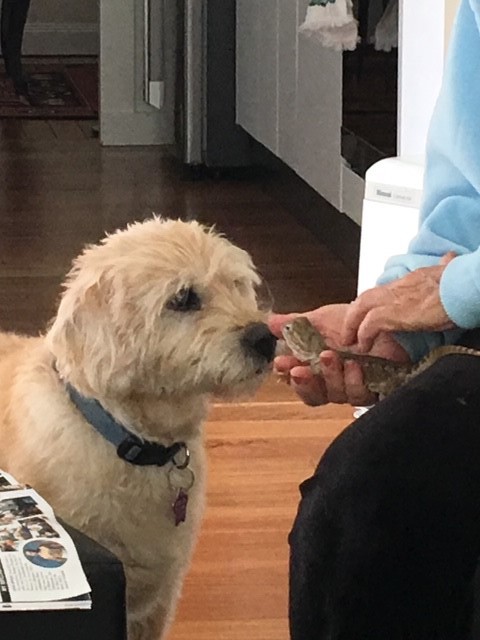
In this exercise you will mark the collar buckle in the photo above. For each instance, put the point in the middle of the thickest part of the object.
(130, 448)
(136, 451)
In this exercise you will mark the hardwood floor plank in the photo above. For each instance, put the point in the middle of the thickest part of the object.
(22, 132)
(264, 629)
(87, 127)
(67, 130)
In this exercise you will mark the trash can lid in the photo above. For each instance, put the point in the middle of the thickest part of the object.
(399, 171)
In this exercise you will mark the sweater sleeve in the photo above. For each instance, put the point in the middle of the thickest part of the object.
(450, 211)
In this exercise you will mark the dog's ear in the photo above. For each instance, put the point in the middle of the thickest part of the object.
(84, 340)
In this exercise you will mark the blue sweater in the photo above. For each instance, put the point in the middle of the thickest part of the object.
(450, 212)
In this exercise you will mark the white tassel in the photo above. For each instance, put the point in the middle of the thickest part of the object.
(330, 15)
(386, 33)
(333, 25)
(344, 38)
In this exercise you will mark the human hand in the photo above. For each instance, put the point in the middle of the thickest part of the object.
(411, 303)
(339, 382)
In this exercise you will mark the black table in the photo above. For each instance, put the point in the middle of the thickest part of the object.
(105, 621)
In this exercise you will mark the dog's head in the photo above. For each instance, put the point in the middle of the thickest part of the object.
(162, 307)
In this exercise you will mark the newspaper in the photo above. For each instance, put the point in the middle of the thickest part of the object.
(39, 565)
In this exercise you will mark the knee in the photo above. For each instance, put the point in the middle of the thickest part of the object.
(331, 495)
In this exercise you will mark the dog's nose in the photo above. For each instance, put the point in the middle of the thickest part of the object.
(258, 338)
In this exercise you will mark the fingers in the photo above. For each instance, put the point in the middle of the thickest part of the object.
(447, 258)
(357, 312)
(357, 394)
(344, 381)
(284, 364)
(332, 372)
(338, 382)
(310, 388)
(376, 320)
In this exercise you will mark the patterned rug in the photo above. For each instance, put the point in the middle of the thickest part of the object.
(55, 90)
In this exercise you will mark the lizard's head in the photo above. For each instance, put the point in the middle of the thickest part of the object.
(302, 338)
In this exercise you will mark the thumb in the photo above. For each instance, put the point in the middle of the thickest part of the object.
(447, 258)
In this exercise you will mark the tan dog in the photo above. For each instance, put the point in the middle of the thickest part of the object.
(152, 322)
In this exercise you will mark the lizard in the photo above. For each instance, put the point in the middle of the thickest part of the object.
(381, 376)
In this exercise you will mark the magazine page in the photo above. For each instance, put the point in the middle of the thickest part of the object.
(7, 483)
(38, 560)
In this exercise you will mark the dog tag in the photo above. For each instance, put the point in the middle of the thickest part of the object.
(181, 481)
(180, 507)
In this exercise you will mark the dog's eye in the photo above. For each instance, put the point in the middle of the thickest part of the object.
(186, 299)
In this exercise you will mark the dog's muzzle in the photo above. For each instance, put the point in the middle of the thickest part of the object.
(259, 341)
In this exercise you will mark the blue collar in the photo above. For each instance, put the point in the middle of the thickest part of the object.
(129, 446)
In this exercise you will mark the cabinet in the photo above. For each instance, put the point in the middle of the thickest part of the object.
(289, 93)
(289, 90)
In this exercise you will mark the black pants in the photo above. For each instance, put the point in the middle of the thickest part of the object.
(386, 542)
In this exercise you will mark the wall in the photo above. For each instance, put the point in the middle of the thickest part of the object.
(420, 67)
(58, 11)
(451, 7)
(125, 118)
(420, 70)
(56, 27)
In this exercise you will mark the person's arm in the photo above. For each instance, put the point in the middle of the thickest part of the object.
(450, 213)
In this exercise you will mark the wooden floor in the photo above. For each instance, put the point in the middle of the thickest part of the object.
(61, 190)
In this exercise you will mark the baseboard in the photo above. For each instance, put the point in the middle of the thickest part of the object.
(135, 129)
(52, 39)
(333, 228)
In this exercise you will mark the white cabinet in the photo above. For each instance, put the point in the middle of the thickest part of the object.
(287, 86)
(319, 118)
(289, 90)
(257, 69)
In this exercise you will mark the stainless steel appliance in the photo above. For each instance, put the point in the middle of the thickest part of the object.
(206, 133)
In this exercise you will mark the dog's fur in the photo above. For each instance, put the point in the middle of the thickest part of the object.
(115, 338)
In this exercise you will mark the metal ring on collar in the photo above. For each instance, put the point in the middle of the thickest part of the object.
(186, 460)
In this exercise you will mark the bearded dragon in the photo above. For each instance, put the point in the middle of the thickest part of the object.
(381, 376)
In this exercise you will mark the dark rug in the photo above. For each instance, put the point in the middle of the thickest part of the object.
(55, 90)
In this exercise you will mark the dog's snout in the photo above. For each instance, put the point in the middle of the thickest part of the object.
(258, 338)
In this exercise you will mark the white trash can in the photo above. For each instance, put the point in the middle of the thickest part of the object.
(390, 217)
(393, 192)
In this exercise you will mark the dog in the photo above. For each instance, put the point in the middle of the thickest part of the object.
(153, 322)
